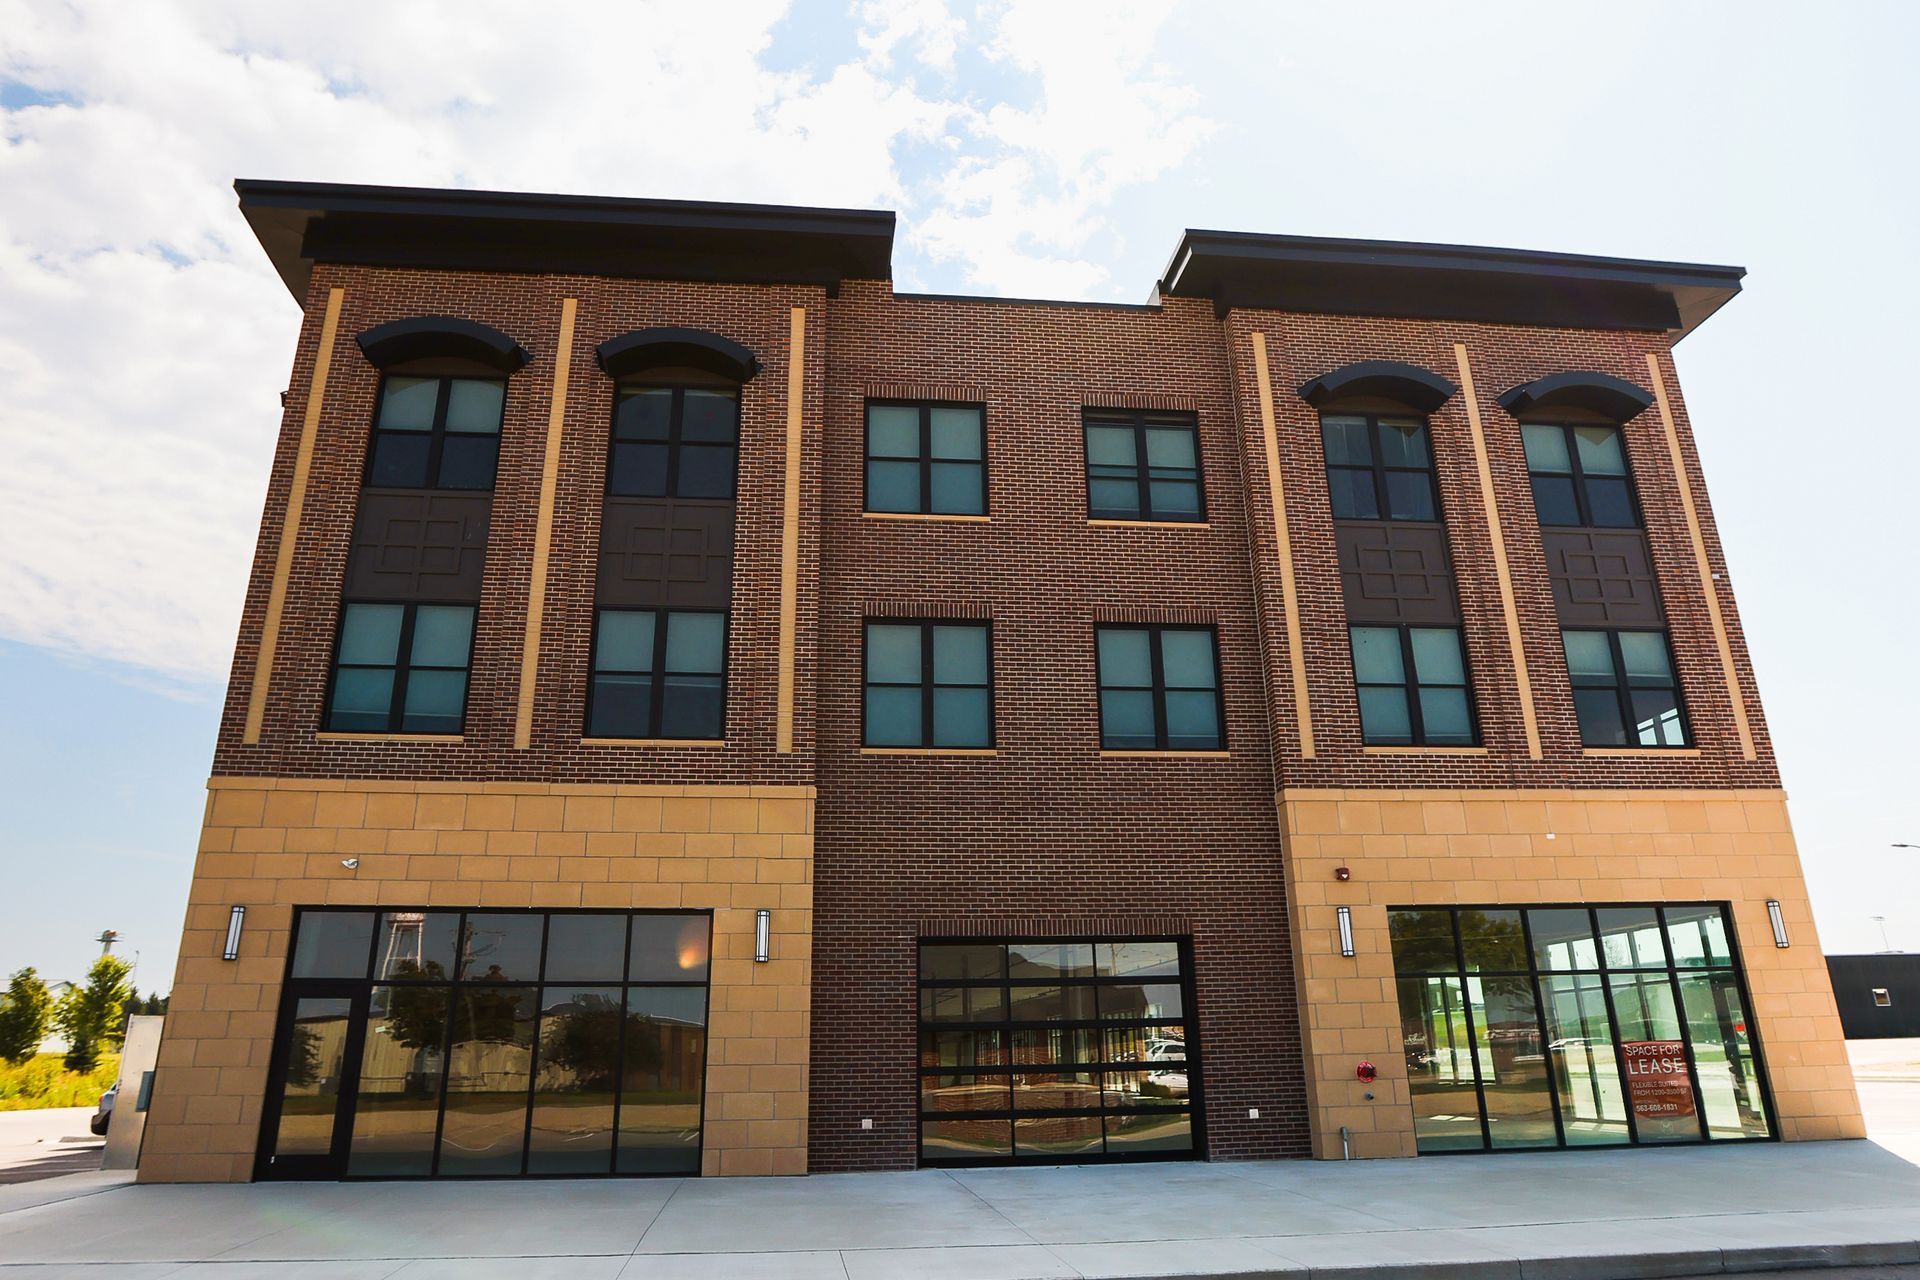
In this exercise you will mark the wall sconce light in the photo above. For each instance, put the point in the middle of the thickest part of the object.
(235, 919)
(1346, 930)
(1779, 921)
(762, 936)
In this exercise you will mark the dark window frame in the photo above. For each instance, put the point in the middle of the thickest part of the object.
(293, 988)
(1378, 469)
(402, 667)
(436, 434)
(657, 673)
(676, 421)
(925, 457)
(1189, 1020)
(1623, 690)
(1159, 688)
(1139, 420)
(927, 685)
(1411, 686)
(1577, 474)
(1533, 974)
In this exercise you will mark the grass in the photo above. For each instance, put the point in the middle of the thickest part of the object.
(44, 1081)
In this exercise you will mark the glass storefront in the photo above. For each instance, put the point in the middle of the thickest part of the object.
(1575, 1026)
(1057, 1051)
(417, 1044)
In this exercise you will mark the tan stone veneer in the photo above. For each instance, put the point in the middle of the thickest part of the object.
(1431, 847)
(273, 844)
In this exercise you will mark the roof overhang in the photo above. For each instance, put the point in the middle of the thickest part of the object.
(1445, 282)
(300, 223)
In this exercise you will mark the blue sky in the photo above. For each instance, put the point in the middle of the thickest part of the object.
(1032, 148)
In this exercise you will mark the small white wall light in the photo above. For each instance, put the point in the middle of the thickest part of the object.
(1780, 938)
(1346, 930)
(762, 936)
(235, 919)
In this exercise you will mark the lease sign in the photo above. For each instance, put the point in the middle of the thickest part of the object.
(1657, 1080)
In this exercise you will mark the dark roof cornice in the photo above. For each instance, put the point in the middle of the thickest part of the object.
(300, 223)
(1240, 269)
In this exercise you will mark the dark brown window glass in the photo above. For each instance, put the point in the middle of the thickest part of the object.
(1378, 468)
(1624, 690)
(1579, 476)
(674, 442)
(436, 433)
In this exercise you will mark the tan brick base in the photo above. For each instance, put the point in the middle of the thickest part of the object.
(1419, 848)
(273, 844)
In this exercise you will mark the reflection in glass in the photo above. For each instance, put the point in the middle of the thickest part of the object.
(1653, 1059)
(1433, 1029)
(488, 1071)
(586, 947)
(964, 1093)
(333, 944)
(662, 1072)
(1512, 1061)
(669, 947)
(962, 1004)
(402, 1069)
(316, 1059)
(1059, 1136)
(1051, 1004)
(1723, 1056)
(1145, 1042)
(1586, 1069)
(572, 1126)
(1493, 941)
(1630, 938)
(1143, 1132)
(1422, 941)
(967, 960)
(501, 948)
(962, 1049)
(1030, 960)
(1056, 1090)
(1150, 1000)
(1041, 1046)
(1698, 936)
(1563, 939)
(416, 944)
(965, 1139)
(1163, 1086)
(1139, 959)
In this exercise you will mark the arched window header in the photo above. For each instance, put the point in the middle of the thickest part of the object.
(442, 337)
(1612, 398)
(682, 348)
(1411, 385)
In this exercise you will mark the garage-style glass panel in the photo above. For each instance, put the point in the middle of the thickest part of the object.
(1575, 1026)
(491, 1043)
(1055, 1050)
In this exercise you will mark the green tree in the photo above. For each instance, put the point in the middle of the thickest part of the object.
(88, 1016)
(24, 1016)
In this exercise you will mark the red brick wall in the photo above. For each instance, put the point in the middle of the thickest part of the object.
(1302, 346)
(528, 309)
(1045, 837)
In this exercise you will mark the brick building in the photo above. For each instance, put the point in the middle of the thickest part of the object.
(698, 709)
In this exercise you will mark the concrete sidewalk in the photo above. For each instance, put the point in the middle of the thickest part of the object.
(1575, 1214)
(47, 1143)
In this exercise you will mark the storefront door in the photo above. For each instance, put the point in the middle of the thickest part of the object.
(416, 1044)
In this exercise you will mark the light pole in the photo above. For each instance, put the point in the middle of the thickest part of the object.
(1882, 922)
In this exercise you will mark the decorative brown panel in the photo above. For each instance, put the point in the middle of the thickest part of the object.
(1602, 577)
(1396, 572)
(665, 553)
(418, 544)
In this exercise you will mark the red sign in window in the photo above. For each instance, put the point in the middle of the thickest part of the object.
(1657, 1080)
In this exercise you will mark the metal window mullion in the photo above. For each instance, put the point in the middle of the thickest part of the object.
(1613, 1017)
(674, 406)
(533, 1056)
(926, 684)
(1415, 720)
(437, 433)
(620, 1044)
(1540, 1020)
(1622, 694)
(657, 684)
(1686, 1031)
(1473, 1041)
(926, 459)
(446, 1043)
(1377, 468)
(1142, 477)
(1158, 675)
(402, 667)
(1582, 504)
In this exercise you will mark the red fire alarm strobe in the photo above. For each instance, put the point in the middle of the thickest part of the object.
(1367, 1072)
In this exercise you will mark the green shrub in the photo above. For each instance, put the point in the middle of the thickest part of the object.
(44, 1081)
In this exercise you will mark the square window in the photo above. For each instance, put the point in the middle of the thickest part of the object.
(929, 685)
(926, 459)
(658, 675)
(1159, 689)
(1143, 466)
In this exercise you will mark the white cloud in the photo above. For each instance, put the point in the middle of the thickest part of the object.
(144, 339)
